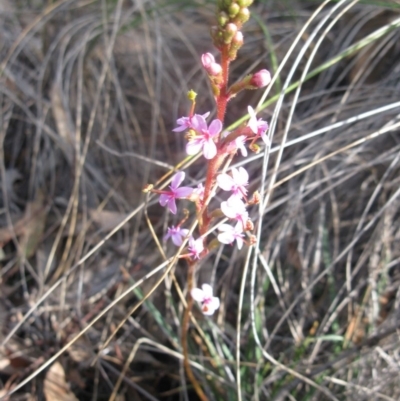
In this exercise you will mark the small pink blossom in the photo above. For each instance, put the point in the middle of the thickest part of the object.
(196, 247)
(204, 140)
(199, 191)
(236, 184)
(260, 79)
(209, 64)
(168, 197)
(209, 303)
(259, 127)
(229, 234)
(234, 208)
(185, 123)
(237, 144)
(177, 235)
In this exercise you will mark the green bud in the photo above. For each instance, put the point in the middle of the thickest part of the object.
(242, 16)
(233, 10)
(223, 18)
(191, 95)
(229, 32)
(245, 3)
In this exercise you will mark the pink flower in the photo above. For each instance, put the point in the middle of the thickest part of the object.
(199, 191)
(195, 247)
(177, 235)
(209, 304)
(236, 184)
(237, 143)
(259, 127)
(168, 197)
(185, 123)
(260, 79)
(229, 234)
(204, 138)
(209, 64)
(234, 208)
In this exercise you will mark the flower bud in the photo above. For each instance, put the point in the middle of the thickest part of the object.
(236, 44)
(249, 226)
(252, 240)
(223, 18)
(210, 65)
(245, 3)
(207, 59)
(242, 16)
(229, 32)
(255, 200)
(233, 10)
(260, 79)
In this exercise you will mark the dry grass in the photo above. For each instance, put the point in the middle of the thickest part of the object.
(89, 93)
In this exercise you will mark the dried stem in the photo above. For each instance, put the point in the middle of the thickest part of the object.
(185, 328)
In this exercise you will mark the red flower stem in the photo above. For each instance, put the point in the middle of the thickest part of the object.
(223, 97)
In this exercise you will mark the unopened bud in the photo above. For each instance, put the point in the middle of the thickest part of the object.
(147, 188)
(242, 16)
(229, 32)
(191, 95)
(252, 239)
(245, 3)
(207, 59)
(236, 44)
(255, 200)
(233, 10)
(260, 79)
(249, 226)
(223, 18)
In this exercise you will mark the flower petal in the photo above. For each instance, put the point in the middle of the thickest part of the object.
(225, 182)
(215, 127)
(183, 192)
(209, 149)
(164, 198)
(207, 290)
(172, 205)
(252, 123)
(194, 146)
(197, 294)
(199, 123)
(226, 237)
(177, 179)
